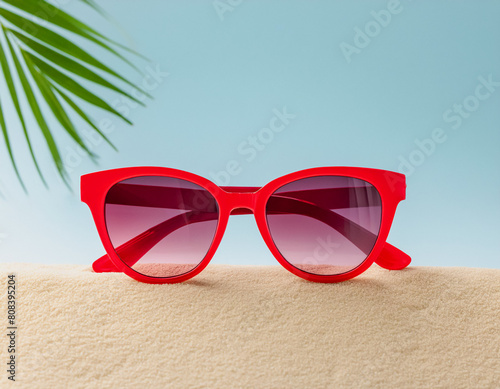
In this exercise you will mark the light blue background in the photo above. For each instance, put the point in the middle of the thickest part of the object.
(226, 77)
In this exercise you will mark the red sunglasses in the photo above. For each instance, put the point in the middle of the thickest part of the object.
(328, 224)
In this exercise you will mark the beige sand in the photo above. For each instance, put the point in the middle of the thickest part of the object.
(255, 327)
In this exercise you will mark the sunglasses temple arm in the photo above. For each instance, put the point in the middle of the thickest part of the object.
(134, 249)
(104, 264)
(390, 258)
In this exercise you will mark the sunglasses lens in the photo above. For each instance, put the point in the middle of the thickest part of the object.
(160, 226)
(325, 225)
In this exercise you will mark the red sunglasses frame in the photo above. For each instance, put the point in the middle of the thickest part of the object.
(245, 200)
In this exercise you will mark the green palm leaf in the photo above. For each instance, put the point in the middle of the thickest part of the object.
(84, 116)
(37, 113)
(71, 65)
(58, 41)
(68, 22)
(13, 93)
(93, 4)
(74, 87)
(52, 71)
(9, 147)
(34, 7)
(45, 89)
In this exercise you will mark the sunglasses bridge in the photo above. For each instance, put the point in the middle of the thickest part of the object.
(241, 199)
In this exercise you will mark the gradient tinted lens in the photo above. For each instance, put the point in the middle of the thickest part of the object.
(325, 225)
(160, 226)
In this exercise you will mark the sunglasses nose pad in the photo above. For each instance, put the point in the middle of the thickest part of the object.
(241, 211)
